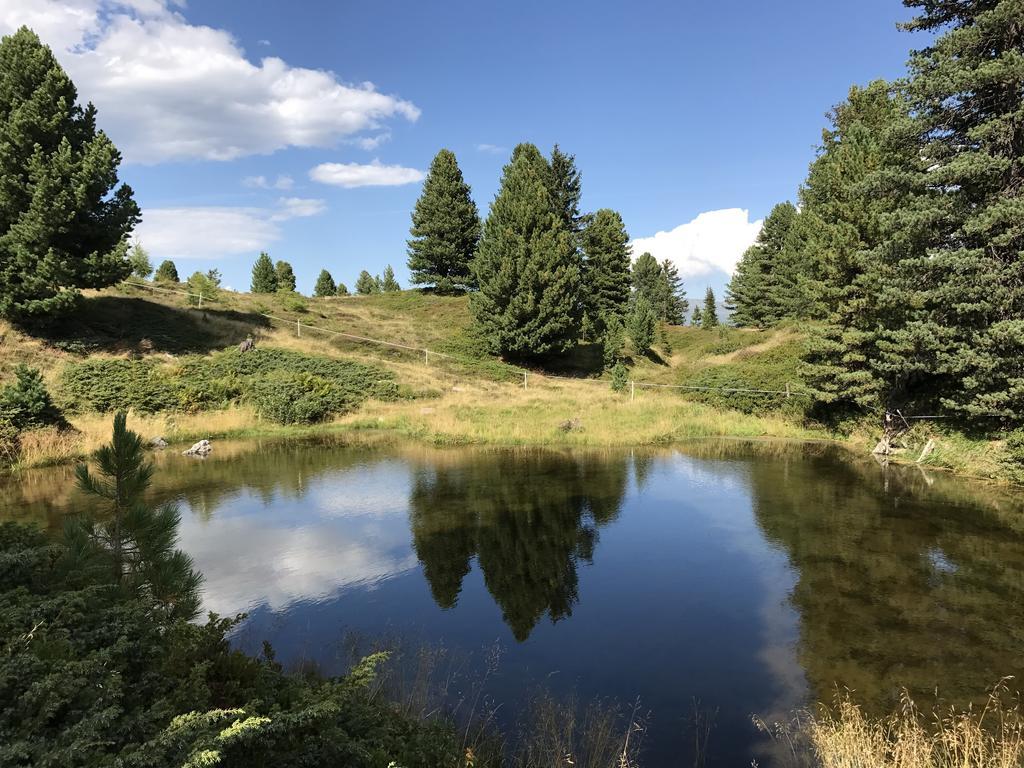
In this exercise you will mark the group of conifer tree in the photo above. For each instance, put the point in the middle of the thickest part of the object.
(543, 275)
(908, 243)
(271, 277)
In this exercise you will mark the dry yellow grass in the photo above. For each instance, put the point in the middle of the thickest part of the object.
(846, 738)
(507, 414)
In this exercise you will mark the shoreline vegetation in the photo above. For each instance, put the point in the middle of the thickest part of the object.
(468, 399)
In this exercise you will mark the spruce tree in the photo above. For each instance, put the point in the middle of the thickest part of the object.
(166, 272)
(325, 285)
(767, 284)
(695, 318)
(642, 325)
(285, 276)
(367, 284)
(64, 220)
(264, 276)
(342, 289)
(388, 284)
(649, 282)
(709, 315)
(526, 266)
(566, 190)
(676, 305)
(966, 92)
(445, 229)
(859, 206)
(606, 275)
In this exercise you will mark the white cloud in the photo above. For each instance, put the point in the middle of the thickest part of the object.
(492, 149)
(370, 143)
(375, 174)
(167, 89)
(714, 241)
(261, 182)
(298, 207)
(209, 232)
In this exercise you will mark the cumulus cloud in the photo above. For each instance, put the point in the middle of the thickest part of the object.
(712, 242)
(491, 149)
(374, 174)
(262, 182)
(167, 89)
(210, 232)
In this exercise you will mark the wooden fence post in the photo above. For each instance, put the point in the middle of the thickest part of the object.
(298, 328)
(200, 300)
(632, 390)
(524, 380)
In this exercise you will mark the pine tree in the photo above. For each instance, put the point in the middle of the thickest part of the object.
(966, 91)
(709, 315)
(264, 276)
(613, 342)
(605, 269)
(342, 289)
(766, 285)
(642, 325)
(526, 266)
(388, 284)
(285, 276)
(166, 272)
(204, 285)
(367, 284)
(325, 285)
(862, 353)
(649, 282)
(445, 229)
(566, 191)
(676, 305)
(64, 221)
(695, 319)
(142, 267)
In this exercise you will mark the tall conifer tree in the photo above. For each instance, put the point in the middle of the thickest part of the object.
(285, 276)
(709, 315)
(527, 266)
(769, 277)
(64, 220)
(445, 229)
(325, 285)
(606, 269)
(676, 305)
(264, 276)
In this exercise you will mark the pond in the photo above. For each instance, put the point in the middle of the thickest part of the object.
(708, 583)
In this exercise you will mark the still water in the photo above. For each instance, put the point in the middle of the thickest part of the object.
(718, 580)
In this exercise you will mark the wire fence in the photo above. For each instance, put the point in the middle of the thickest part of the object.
(428, 353)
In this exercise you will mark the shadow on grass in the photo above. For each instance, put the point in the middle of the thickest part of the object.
(125, 324)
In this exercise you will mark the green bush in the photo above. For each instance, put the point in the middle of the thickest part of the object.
(770, 370)
(282, 385)
(113, 385)
(1014, 459)
(620, 377)
(25, 403)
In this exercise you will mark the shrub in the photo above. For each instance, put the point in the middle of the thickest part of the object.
(1014, 459)
(620, 377)
(295, 398)
(109, 385)
(25, 403)
(9, 442)
(292, 302)
(770, 370)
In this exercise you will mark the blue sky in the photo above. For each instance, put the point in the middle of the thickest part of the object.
(224, 111)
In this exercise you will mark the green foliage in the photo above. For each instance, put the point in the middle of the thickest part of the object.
(642, 325)
(292, 302)
(1015, 455)
(64, 221)
(566, 188)
(676, 305)
(606, 277)
(342, 289)
(134, 542)
(614, 341)
(695, 319)
(620, 377)
(445, 229)
(166, 272)
(10, 442)
(769, 370)
(388, 284)
(285, 277)
(367, 284)
(201, 383)
(664, 342)
(264, 276)
(325, 285)
(142, 267)
(203, 284)
(527, 265)
(769, 283)
(709, 315)
(25, 403)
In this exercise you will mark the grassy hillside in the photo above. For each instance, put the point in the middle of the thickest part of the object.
(176, 367)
